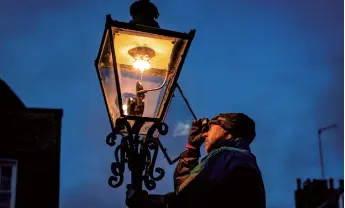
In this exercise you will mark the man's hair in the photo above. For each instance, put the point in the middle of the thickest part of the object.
(237, 124)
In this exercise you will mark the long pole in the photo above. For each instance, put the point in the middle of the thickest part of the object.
(321, 155)
(320, 146)
(185, 99)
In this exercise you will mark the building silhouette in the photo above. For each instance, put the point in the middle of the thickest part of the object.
(319, 193)
(29, 153)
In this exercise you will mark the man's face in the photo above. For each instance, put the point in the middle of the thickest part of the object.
(214, 135)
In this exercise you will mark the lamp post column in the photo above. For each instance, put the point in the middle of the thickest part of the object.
(136, 163)
(320, 147)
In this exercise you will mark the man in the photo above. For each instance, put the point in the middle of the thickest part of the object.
(229, 175)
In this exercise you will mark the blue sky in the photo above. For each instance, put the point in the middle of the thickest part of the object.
(280, 62)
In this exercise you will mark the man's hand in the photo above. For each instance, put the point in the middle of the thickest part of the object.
(136, 198)
(196, 138)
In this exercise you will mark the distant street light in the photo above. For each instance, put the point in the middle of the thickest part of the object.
(320, 146)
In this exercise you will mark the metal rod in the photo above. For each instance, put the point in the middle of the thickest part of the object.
(320, 147)
(165, 153)
(328, 127)
(321, 156)
(157, 88)
(185, 99)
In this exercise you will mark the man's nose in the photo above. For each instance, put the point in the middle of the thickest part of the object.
(205, 134)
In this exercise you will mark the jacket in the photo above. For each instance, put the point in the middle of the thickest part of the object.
(227, 177)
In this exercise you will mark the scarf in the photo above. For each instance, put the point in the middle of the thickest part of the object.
(195, 171)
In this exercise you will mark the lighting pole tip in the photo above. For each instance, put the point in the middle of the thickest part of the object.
(144, 12)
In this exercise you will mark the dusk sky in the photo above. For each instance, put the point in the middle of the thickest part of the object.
(279, 61)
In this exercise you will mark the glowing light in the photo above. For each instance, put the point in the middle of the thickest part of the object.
(141, 65)
(124, 108)
(142, 56)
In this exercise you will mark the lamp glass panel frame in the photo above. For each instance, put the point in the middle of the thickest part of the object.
(117, 75)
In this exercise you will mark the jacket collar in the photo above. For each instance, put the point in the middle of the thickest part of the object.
(236, 143)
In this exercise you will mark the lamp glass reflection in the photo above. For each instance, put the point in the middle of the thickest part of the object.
(143, 65)
(144, 69)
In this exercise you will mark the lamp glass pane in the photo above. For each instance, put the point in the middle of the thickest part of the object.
(107, 80)
(151, 60)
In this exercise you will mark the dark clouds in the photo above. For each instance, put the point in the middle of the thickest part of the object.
(20, 16)
(324, 20)
(280, 62)
(86, 195)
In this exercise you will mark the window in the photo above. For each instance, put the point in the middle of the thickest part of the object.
(341, 200)
(8, 179)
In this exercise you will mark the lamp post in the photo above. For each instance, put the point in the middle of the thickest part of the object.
(319, 132)
(138, 65)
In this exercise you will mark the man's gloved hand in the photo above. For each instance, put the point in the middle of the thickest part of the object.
(195, 138)
(136, 199)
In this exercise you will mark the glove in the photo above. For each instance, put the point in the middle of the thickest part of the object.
(136, 199)
(196, 138)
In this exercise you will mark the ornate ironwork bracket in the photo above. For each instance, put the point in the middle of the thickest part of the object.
(140, 153)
